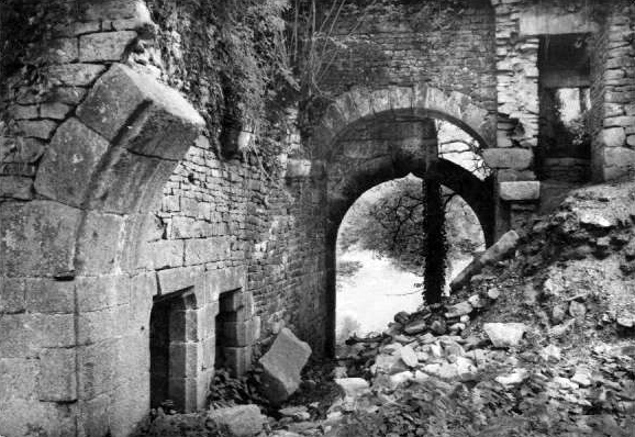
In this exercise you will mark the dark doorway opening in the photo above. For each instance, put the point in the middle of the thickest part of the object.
(173, 351)
(564, 152)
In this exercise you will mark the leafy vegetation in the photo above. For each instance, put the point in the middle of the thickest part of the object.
(392, 224)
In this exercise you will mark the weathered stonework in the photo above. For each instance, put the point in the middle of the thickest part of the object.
(115, 203)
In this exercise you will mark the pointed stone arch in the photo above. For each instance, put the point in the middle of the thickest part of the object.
(85, 309)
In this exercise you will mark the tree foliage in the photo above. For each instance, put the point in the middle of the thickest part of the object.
(390, 221)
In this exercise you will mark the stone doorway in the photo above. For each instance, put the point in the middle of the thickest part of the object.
(174, 351)
(236, 331)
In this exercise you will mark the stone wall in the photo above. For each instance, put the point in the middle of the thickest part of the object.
(613, 95)
(413, 43)
(111, 202)
(115, 198)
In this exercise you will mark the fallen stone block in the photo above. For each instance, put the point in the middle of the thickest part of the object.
(239, 421)
(282, 366)
(501, 249)
(505, 335)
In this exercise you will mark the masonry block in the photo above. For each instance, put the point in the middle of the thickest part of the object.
(75, 74)
(12, 295)
(241, 333)
(133, 357)
(208, 352)
(129, 406)
(96, 326)
(166, 126)
(70, 162)
(201, 251)
(50, 296)
(238, 360)
(613, 137)
(184, 392)
(107, 46)
(131, 184)
(161, 254)
(178, 279)
(513, 158)
(49, 331)
(96, 293)
(16, 187)
(55, 110)
(520, 190)
(619, 157)
(142, 288)
(41, 129)
(99, 245)
(57, 379)
(96, 369)
(183, 360)
(94, 416)
(37, 239)
(298, 168)
(21, 408)
(232, 301)
(223, 280)
(110, 10)
(184, 325)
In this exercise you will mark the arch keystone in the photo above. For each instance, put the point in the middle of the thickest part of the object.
(134, 107)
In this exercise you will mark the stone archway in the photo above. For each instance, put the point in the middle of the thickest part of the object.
(353, 167)
(419, 100)
(80, 330)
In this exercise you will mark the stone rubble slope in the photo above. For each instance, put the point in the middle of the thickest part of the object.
(539, 341)
(545, 329)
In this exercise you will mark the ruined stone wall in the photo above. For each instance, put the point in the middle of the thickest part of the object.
(112, 199)
(613, 63)
(414, 43)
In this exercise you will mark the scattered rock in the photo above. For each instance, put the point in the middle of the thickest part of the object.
(353, 387)
(299, 413)
(390, 364)
(516, 377)
(595, 220)
(402, 317)
(558, 314)
(416, 327)
(582, 377)
(282, 365)
(476, 301)
(408, 356)
(577, 309)
(239, 421)
(438, 327)
(560, 330)
(400, 378)
(626, 321)
(505, 335)
(458, 310)
(493, 293)
(551, 353)
(391, 348)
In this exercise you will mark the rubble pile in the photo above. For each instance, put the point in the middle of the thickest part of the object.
(536, 340)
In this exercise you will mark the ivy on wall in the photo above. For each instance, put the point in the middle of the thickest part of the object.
(230, 59)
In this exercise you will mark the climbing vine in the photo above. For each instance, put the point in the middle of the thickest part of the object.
(229, 57)
(28, 33)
